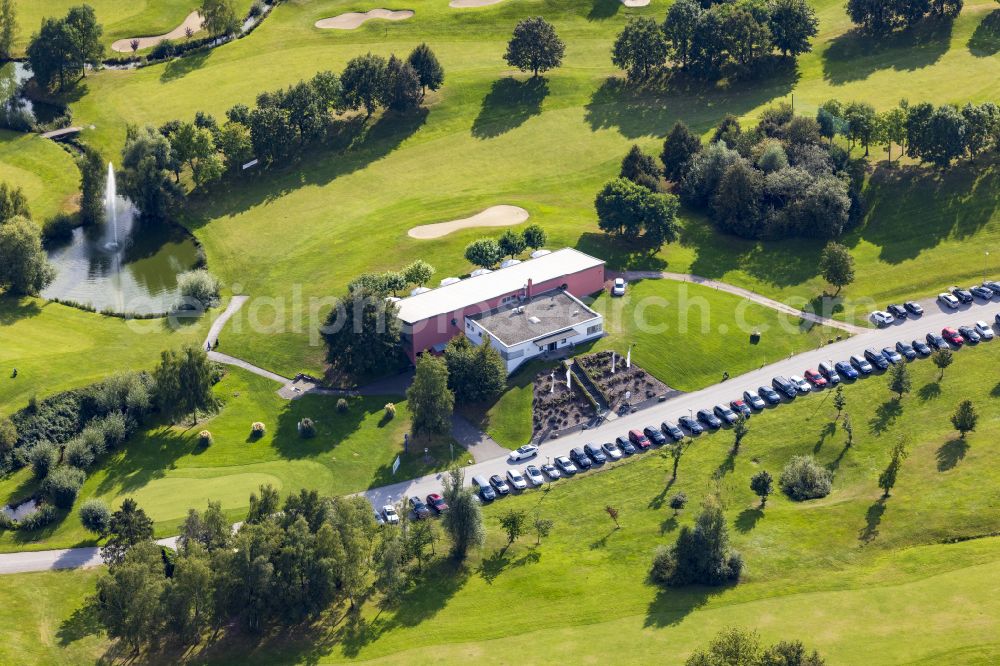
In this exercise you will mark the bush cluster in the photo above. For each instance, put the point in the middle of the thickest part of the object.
(803, 479)
(307, 429)
(199, 289)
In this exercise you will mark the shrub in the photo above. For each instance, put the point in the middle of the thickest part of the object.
(42, 458)
(95, 516)
(803, 478)
(45, 515)
(257, 429)
(342, 405)
(307, 428)
(62, 485)
(116, 429)
(59, 227)
(198, 286)
(78, 454)
(164, 49)
(205, 438)
(701, 555)
(390, 410)
(93, 437)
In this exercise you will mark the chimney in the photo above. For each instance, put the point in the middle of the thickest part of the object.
(527, 289)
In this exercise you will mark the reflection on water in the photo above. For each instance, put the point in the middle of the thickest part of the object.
(12, 75)
(135, 274)
(20, 511)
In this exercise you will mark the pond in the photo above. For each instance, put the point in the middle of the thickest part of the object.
(19, 511)
(12, 76)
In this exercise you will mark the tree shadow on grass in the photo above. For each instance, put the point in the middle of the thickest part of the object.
(147, 457)
(668, 525)
(873, 518)
(181, 67)
(748, 519)
(601, 10)
(14, 309)
(826, 431)
(995, 391)
(332, 426)
(441, 580)
(856, 55)
(885, 415)
(82, 623)
(500, 560)
(951, 453)
(726, 466)
(671, 605)
(835, 463)
(985, 41)
(619, 253)
(929, 391)
(508, 105)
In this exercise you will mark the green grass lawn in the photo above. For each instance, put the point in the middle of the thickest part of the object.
(352, 451)
(863, 580)
(44, 171)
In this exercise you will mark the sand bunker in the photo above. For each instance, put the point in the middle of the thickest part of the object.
(352, 20)
(193, 21)
(494, 216)
(462, 4)
(635, 3)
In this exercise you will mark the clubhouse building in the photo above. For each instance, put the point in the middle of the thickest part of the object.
(523, 309)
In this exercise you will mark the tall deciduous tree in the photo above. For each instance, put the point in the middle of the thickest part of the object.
(220, 17)
(793, 24)
(431, 401)
(8, 28)
(418, 273)
(534, 47)
(464, 518)
(402, 85)
(762, 484)
(965, 418)
(184, 382)
(362, 334)
(534, 236)
(129, 596)
(513, 524)
(129, 526)
(147, 159)
(484, 252)
(24, 266)
(364, 83)
(475, 373)
(640, 48)
(630, 210)
(680, 27)
(899, 379)
(837, 265)
(887, 479)
(429, 70)
(942, 359)
(93, 174)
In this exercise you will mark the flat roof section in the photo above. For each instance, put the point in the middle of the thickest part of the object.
(545, 315)
(475, 290)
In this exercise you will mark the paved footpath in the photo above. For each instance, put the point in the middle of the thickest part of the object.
(933, 320)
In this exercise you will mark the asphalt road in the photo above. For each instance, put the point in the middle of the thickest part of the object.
(934, 319)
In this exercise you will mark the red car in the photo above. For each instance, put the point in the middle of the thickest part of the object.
(639, 439)
(815, 378)
(437, 503)
(952, 336)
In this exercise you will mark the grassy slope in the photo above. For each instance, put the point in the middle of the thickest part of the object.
(44, 170)
(859, 578)
(351, 452)
(547, 148)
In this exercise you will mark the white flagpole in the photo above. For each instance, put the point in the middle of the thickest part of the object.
(569, 378)
(612, 361)
(628, 358)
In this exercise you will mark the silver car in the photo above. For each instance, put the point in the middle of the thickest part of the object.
(534, 475)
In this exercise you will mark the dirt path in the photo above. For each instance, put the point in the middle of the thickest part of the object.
(193, 21)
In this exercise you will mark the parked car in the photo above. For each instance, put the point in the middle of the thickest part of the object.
(516, 479)
(913, 308)
(969, 334)
(984, 293)
(499, 485)
(815, 378)
(882, 318)
(984, 330)
(640, 441)
(876, 358)
(784, 386)
(963, 295)
(861, 365)
(565, 465)
(691, 425)
(846, 370)
(379, 520)
(524, 452)
(741, 407)
(897, 311)
(906, 350)
(922, 348)
(993, 286)
(627, 447)
(672, 431)
(596, 453)
(769, 395)
(948, 300)
(952, 336)
(551, 471)
(754, 400)
(655, 435)
(996, 318)
(724, 413)
(801, 385)
(437, 503)
(486, 492)
(580, 459)
(829, 372)
(420, 510)
(710, 420)
(892, 355)
(618, 287)
(936, 341)
(390, 515)
(612, 451)
(534, 475)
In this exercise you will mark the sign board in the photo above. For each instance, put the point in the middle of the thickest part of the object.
(395, 465)
(251, 163)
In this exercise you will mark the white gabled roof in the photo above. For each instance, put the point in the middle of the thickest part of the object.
(475, 290)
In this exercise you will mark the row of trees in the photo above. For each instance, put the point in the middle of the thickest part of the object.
(880, 17)
(488, 252)
(24, 266)
(64, 47)
(706, 38)
(392, 282)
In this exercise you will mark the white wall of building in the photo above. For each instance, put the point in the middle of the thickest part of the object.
(515, 355)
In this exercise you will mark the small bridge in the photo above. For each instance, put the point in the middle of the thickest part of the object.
(55, 135)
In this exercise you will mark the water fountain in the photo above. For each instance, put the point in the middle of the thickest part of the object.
(111, 206)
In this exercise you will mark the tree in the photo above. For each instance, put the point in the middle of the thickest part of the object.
(129, 526)
(887, 479)
(464, 518)
(220, 17)
(93, 174)
(210, 531)
(676, 452)
(613, 514)
(965, 418)
(942, 359)
(679, 147)
(839, 399)
(899, 379)
(803, 479)
(421, 535)
(42, 457)
(8, 435)
(62, 485)
(641, 169)
(741, 428)
(418, 273)
(236, 145)
(484, 252)
(629, 210)
(95, 516)
(534, 236)
(511, 243)
(184, 382)
(8, 28)
(678, 502)
(513, 524)
(364, 83)
(861, 123)
(129, 596)
(829, 117)
(534, 46)
(390, 560)
(891, 128)
(65, 46)
(188, 598)
(402, 85)
(263, 506)
(272, 134)
(145, 172)
(982, 126)
(429, 70)
(761, 484)
(848, 429)
(746, 33)
(793, 23)
(680, 28)
(737, 202)
(362, 334)
(476, 373)
(701, 555)
(431, 402)
(640, 48)
(543, 527)
(738, 647)
(195, 146)
(13, 203)
(943, 137)
(24, 265)
(837, 265)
